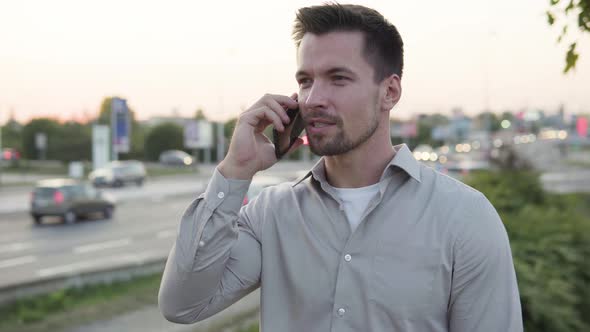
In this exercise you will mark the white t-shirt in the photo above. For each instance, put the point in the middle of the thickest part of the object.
(355, 202)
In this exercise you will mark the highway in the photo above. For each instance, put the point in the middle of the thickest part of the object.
(143, 227)
(140, 230)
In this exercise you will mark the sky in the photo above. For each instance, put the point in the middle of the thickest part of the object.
(61, 58)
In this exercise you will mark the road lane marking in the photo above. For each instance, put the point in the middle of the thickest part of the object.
(17, 261)
(102, 246)
(166, 233)
(69, 268)
(101, 262)
(18, 246)
(157, 199)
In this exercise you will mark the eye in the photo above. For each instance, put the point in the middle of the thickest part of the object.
(304, 82)
(339, 79)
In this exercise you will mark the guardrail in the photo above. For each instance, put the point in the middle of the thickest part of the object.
(11, 293)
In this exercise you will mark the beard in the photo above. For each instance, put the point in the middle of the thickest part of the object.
(342, 142)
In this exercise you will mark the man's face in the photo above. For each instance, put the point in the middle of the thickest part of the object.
(338, 97)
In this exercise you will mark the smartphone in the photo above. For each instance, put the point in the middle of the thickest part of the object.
(285, 140)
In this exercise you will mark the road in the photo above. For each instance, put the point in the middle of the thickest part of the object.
(17, 199)
(143, 227)
(140, 230)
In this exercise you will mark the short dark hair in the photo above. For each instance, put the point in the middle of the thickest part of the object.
(383, 45)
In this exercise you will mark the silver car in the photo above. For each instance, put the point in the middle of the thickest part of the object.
(118, 174)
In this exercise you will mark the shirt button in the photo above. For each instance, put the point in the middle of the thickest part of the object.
(201, 244)
(221, 194)
(341, 312)
(347, 257)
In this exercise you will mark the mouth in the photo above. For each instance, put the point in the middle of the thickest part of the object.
(320, 124)
(319, 127)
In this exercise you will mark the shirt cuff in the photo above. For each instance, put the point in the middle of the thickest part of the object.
(225, 194)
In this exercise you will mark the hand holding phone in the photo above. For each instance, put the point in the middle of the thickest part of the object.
(285, 140)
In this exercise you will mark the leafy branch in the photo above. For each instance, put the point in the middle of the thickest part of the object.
(565, 11)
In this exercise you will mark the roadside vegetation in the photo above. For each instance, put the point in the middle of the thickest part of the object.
(550, 240)
(71, 307)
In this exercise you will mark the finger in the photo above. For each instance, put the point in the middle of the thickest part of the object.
(265, 113)
(284, 100)
(278, 109)
(295, 96)
(261, 117)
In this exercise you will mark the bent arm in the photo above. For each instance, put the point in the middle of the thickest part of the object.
(214, 262)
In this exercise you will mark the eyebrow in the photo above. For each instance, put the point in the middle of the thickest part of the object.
(330, 71)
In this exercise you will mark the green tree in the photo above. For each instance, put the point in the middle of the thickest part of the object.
(561, 12)
(12, 136)
(200, 114)
(165, 136)
(74, 142)
(550, 242)
(50, 127)
(66, 142)
(488, 120)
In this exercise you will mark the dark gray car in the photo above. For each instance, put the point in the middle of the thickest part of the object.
(69, 199)
(176, 158)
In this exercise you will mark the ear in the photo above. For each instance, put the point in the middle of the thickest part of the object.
(392, 92)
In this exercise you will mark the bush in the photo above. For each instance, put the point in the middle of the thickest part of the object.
(549, 236)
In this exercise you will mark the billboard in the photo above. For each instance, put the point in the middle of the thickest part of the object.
(198, 134)
(121, 126)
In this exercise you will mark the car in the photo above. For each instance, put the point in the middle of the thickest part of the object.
(175, 158)
(69, 199)
(118, 174)
(259, 182)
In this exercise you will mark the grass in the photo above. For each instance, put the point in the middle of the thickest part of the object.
(250, 328)
(579, 163)
(75, 306)
(53, 170)
(65, 309)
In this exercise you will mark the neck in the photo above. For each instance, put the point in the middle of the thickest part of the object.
(362, 166)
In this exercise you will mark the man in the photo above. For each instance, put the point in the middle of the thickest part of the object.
(370, 239)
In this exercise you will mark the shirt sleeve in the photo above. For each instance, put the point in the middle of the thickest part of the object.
(484, 294)
(215, 260)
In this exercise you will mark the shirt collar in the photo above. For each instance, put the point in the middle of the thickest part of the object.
(403, 159)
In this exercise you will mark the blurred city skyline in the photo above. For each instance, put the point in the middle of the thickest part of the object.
(60, 59)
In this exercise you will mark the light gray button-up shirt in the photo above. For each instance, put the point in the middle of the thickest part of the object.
(430, 254)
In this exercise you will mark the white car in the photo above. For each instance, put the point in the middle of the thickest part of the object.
(119, 173)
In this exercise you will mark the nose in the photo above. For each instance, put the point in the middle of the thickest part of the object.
(315, 96)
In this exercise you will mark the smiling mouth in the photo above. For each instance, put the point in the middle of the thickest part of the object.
(320, 124)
